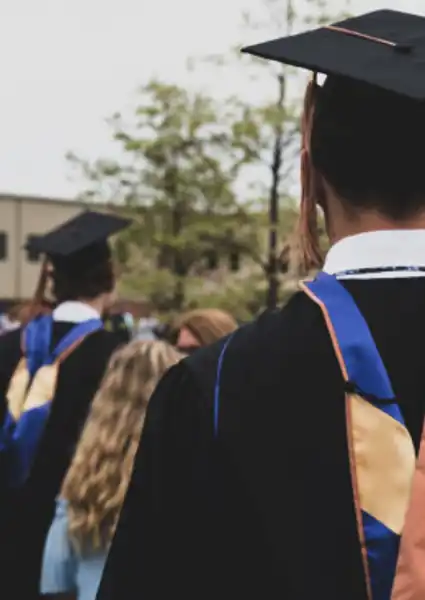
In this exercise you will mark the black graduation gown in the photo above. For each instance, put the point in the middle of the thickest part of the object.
(266, 509)
(25, 517)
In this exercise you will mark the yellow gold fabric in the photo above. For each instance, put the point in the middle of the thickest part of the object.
(17, 390)
(42, 388)
(385, 463)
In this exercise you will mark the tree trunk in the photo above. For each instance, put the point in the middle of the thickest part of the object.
(180, 270)
(276, 166)
(177, 225)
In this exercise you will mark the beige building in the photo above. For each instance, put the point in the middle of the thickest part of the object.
(20, 218)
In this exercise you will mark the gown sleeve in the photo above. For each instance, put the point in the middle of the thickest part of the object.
(157, 538)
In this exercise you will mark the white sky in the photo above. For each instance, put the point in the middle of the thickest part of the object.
(66, 65)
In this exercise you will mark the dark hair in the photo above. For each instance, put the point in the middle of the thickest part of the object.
(84, 283)
(367, 143)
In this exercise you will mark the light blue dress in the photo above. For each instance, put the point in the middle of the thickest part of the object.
(65, 571)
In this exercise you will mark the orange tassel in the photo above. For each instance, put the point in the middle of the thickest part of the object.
(311, 256)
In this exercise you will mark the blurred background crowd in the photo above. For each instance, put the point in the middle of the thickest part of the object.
(205, 166)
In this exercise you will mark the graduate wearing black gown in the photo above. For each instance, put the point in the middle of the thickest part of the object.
(243, 483)
(82, 283)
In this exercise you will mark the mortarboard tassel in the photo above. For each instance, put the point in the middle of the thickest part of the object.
(307, 229)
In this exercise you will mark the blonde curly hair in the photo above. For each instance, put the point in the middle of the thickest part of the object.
(97, 480)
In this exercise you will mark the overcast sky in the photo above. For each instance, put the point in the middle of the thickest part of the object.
(66, 65)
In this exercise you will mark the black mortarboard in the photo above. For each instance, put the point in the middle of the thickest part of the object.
(384, 48)
(79, 242)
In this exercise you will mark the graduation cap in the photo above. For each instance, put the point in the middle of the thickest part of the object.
(384, 48)
(80, 242)
(74, 247)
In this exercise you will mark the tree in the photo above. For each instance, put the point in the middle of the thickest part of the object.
(181, 155)
(283, 122)
(284, 16)
(279, 119)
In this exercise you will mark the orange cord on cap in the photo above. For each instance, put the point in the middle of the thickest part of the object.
(370, 38)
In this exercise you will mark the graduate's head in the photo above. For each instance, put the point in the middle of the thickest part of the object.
(363, 128)
(97, 480)
(78, 258)
(86, 277)
(203, 326)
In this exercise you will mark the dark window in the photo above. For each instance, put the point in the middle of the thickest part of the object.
(3, 245)
(32, 255)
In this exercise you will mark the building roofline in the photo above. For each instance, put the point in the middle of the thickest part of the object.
(14, 197)
(41, 199)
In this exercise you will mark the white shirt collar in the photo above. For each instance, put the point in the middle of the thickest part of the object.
(74, 312)
(378, 249)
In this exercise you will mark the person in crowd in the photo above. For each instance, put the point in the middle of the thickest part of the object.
(287, 460)
(94, 488)
(27, 310)
(11, 319)
(121, 324)
(20, 314)
(50, 370)
(43, 307)
(146, 329)
(166, 331)
(202, 327)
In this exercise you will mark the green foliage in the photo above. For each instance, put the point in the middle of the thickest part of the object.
(181, 156)
(154, 285)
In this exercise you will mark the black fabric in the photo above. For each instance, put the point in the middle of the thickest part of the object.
(266, 509)
(80, 242)
(74, 235)
(117, 324)
(397, 69)
(25, 517)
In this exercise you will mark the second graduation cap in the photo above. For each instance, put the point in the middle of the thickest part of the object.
(82, 240)
(383, 48)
